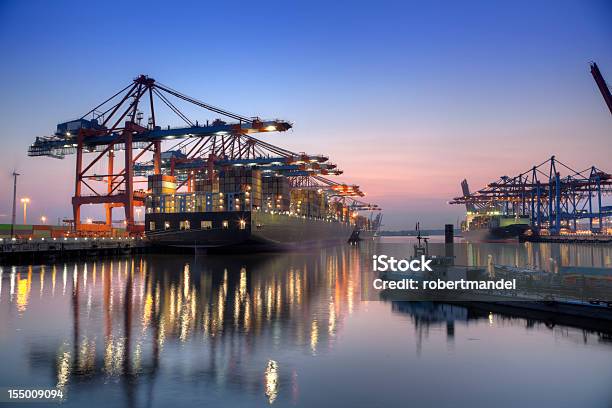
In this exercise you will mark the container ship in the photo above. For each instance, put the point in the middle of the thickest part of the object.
(210, 182)
(490, 222)
(493, 226)
(239, 207)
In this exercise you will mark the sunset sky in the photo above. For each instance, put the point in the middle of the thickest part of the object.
(407, 97)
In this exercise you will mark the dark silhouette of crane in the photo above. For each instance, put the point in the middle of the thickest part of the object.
(601, 84)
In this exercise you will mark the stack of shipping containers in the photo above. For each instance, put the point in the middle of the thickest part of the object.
(206, 189)
(202, 182)
(275, 193)
(241, 188)
(308, 202)
(338, 211)
(237, 188)
(33, 231)
(162, 189)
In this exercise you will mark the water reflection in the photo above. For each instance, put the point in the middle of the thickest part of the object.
(205, 319)
(426, 316)
(545, 256)
(271, 379)
(212, 328)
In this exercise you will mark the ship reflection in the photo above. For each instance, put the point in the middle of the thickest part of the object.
(426, 316)
(545, 256)
(205, 319)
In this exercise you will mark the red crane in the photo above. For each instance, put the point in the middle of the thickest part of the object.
(115, 124)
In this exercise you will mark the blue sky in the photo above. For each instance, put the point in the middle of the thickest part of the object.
(407, 97)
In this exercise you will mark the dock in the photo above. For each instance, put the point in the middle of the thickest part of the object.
(19, 250)
(570, 238)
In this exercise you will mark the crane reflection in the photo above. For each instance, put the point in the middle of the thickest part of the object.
(208, 320)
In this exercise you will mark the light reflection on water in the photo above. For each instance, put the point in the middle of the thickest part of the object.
(125, 318)
(247, 330)
(545, 256)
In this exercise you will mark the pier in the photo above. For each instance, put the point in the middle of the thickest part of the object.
(569, 238)
(19, 250)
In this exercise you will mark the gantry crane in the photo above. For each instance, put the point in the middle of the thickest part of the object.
(115, 124)
(550, 200)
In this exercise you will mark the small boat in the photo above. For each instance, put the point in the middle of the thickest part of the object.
(421, 249)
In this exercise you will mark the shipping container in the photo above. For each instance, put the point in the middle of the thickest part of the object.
(161, 184)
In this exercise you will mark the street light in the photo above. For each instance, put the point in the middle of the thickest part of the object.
(43, 219)
(25, 201)
(15, 174)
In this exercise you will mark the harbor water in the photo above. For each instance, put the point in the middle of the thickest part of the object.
(286, 329)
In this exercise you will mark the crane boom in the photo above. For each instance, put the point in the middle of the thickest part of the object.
(601, 84)
(58, 146)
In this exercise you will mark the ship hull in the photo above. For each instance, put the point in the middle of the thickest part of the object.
(244, 229)
(499, 234)
(362, 235)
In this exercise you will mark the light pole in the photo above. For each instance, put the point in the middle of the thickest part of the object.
(15, 174)
(25, 201)
(43, 219)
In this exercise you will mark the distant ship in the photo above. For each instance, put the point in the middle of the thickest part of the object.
(480, 227)
(491, 224)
